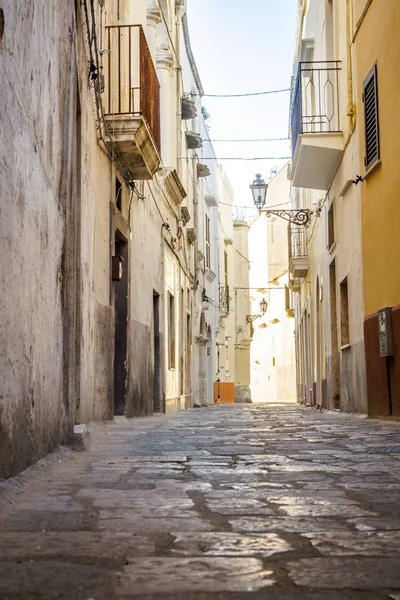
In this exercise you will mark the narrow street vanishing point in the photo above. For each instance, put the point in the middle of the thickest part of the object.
(228, 502)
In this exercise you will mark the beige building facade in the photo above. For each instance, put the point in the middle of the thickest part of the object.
(326, 259)
(105, 304)
(272, 355)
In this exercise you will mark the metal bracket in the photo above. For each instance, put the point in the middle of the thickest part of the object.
(251, 318)
(298, 216)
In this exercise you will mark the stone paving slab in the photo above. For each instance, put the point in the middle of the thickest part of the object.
(374, 543)
(225, 503)
(200, 574)
(32, 546)
(350, 573)
(228, 544)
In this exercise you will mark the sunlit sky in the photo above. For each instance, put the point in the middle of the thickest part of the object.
(243, 47)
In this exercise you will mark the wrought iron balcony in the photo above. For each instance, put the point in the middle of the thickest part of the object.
(298, 259)
(316, 131)
(224, 299)
(132, 100)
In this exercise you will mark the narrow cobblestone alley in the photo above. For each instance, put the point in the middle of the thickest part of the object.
(229, 502)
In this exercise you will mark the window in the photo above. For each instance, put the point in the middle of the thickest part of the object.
(344, 314)
(370, 99)
(118, 193)
(226, 268)
(171, 331)
(331, 227)
(208, 245)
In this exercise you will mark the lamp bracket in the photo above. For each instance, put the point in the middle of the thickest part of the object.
(299, 216)
(251, 318)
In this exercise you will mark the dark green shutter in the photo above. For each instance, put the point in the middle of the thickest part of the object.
(370, 99)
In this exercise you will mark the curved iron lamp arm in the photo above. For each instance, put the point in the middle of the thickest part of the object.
(297, 216)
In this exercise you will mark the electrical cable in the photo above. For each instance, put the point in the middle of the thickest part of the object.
(240, 158)
(254, 140)
(248, 94)
(164, 222)
(317, 214)
(253, 207)
(243, 256)
(165, 196)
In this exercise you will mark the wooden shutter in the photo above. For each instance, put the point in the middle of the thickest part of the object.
(370, 99)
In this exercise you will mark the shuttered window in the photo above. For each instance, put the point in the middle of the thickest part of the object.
(370, 98)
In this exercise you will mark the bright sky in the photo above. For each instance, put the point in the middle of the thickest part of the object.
(242, 47)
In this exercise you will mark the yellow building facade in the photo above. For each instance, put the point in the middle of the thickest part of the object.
(345, 133)
(376, 43)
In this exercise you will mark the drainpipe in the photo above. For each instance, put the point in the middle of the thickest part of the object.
(300, 30)
(195, 379)
(180, 11)
(351, 112)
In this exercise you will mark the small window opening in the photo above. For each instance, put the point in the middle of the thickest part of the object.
(118, 194)
(171, 332)
(331, 227)
(344, 313)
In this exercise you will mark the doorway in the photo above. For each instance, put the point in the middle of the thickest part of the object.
(121, 327)
(335, 375)
(318, 400)
(308, 355)
(156, 354)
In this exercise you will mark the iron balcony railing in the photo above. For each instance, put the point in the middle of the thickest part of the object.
(297, 242)
(131, 84)
(224, 298)
(315, 99)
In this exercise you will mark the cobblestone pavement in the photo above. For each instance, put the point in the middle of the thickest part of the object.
(232, 502)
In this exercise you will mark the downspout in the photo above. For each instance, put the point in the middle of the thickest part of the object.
(196, 355)
(351, 111)
(300, 29)
(195, 218)
(178, 89)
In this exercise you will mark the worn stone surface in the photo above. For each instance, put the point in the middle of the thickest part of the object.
(229, 503)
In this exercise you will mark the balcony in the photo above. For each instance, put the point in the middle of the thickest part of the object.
(132, 102)
(224, 300)
(298, 259)
(317, 140)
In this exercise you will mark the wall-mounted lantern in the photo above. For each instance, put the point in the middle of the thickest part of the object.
(259, 191)
(297, 216)
(263, 310)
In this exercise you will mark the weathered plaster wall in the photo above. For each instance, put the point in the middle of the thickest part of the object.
(95, 191)
(35, 147)
(347, 256)
(146, 277)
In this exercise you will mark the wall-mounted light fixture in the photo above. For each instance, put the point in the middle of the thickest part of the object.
(263, 310)
(299, 216)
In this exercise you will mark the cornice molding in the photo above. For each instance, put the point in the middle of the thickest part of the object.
(153, 16)
(164, 58)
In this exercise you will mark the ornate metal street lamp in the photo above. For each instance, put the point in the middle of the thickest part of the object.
(259, 191)
(263, 306)
(297, 216)
(263, 310)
